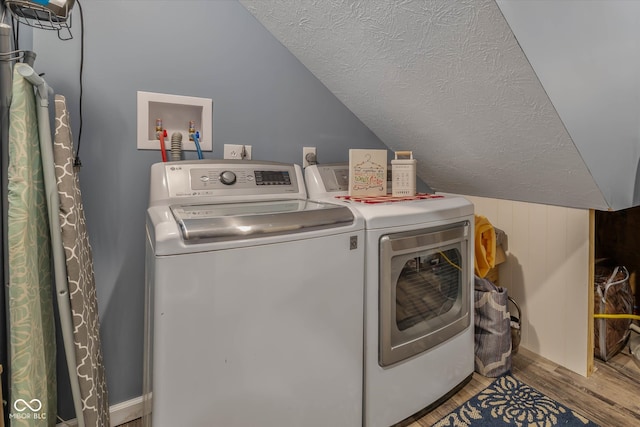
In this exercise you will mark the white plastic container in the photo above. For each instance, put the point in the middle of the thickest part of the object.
(403, 174)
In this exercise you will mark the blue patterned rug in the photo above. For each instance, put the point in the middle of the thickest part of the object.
(508, 402)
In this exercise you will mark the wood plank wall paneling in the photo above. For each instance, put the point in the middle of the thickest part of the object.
(547, 273)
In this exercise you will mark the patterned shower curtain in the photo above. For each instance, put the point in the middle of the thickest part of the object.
(32, 335)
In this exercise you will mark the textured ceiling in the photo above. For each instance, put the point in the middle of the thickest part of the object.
(446, 79)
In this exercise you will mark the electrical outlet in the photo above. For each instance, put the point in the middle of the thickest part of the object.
(309, 156)
(237, 151)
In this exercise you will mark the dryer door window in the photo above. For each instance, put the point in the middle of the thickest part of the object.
(424, 290)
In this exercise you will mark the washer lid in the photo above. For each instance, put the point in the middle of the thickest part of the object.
(199, 223)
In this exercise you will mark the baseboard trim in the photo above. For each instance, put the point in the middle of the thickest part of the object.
(119, 413)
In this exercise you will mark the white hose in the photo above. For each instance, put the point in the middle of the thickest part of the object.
(176, 146)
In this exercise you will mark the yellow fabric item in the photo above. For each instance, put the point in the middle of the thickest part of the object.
(485, 246)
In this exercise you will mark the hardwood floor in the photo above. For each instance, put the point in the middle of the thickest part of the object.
(610, 397)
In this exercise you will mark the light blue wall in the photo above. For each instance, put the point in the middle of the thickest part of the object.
(215, 49)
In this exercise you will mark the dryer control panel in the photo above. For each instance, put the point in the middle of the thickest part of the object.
(223, 180)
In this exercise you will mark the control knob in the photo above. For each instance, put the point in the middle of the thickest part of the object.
(228, 177)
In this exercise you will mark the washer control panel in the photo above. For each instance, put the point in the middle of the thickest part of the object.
(226, 178)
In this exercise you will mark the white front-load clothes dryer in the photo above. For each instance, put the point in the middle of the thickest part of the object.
(419, 340)
(254, 299)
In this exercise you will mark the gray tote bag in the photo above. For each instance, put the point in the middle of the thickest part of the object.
(492, 329)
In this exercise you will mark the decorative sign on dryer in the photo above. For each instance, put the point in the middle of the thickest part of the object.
(367, 172)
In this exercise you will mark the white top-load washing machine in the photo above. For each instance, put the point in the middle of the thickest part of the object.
(419, 334)
(254, 299)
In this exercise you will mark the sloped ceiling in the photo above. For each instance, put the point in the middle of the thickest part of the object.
(446, 79)
(587, 57)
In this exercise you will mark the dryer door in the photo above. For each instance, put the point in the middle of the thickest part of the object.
(424, 290)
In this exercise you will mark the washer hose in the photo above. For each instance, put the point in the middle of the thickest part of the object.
(176, 146)
(163, 150)
(196, 141)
